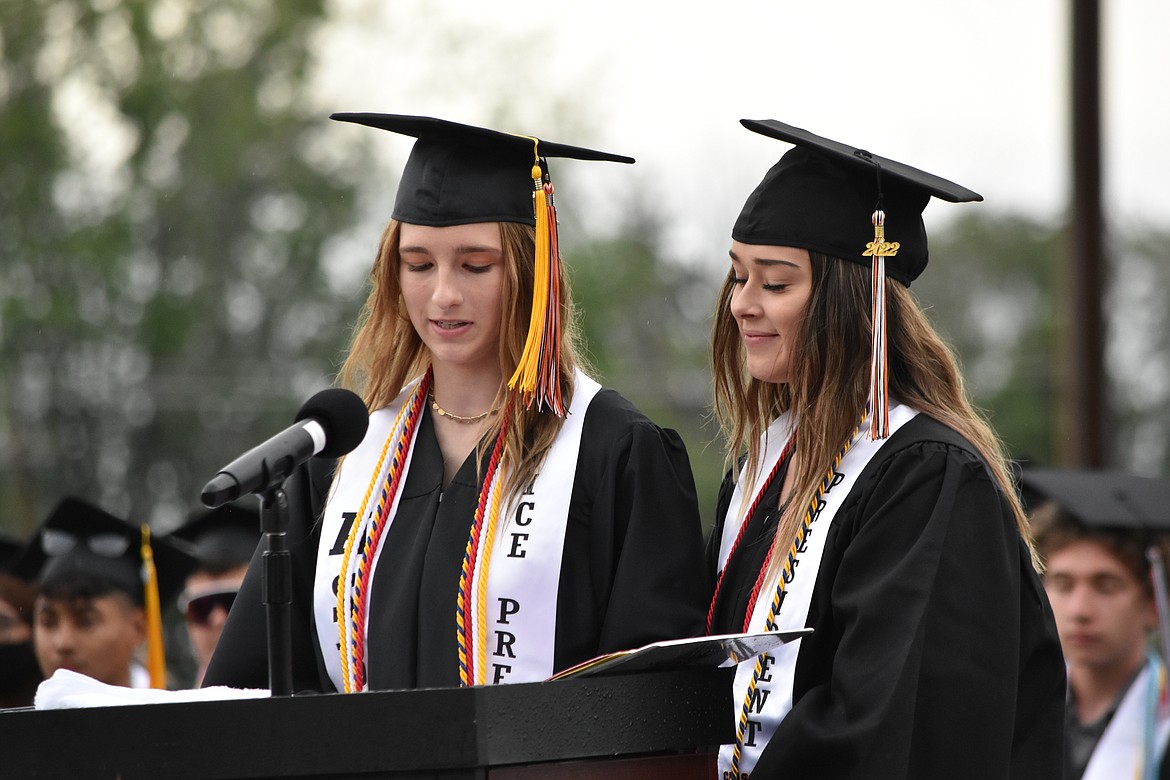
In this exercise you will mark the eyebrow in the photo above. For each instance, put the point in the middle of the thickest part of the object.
(462, 249)
(766, 261)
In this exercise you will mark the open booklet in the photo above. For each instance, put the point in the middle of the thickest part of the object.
(718, 650)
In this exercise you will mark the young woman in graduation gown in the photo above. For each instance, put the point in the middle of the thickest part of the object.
(505, 517)
(871, 502)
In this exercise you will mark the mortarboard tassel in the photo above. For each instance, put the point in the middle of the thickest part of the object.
(1161, 599)
(550, 354)
(879, 385)
(537, 376)
(156, 662)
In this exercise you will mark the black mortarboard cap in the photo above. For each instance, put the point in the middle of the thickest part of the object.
(460, 174)
(221, 538)
(1102, 500)
(822, 195)
(80, 542)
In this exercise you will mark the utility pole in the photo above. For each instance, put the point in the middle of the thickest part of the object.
(1083, 388)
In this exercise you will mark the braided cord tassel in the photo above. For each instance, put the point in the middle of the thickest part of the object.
(344, 599)
(407, 423)
(742, 528)
(463, 614)
(489, 540)
(786, 576)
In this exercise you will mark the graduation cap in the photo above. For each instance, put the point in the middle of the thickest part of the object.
(460, 174)
(822, 196)
(842, 201)
(221, 538)
(81, 544)
(1102, 500)
(1112, 502)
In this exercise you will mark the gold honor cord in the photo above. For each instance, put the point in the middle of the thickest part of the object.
(778, 598)
(470, 631)
(351, 632)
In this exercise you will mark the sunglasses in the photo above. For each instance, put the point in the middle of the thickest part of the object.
(56, 542)
(199, 609)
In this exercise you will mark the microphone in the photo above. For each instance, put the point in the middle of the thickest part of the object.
(330, 424)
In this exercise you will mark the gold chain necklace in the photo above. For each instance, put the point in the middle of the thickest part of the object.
(465, 420)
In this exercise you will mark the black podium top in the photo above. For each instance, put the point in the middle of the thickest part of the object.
(437, 733)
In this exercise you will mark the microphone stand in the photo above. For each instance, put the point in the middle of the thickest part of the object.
(277, 588)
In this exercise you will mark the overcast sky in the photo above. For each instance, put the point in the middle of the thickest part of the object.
(977, 92)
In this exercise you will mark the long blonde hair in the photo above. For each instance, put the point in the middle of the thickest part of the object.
(830, 384)
(386, 352)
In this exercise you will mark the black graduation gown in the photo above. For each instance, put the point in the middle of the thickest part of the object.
(632, 571)
(934, 652)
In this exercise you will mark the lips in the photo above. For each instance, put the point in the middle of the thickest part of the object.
(751, 337)
(450, 324)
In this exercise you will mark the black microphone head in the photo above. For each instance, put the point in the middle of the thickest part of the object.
(344, 417)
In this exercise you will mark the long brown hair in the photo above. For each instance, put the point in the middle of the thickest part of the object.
(830, 383)
(386, 353)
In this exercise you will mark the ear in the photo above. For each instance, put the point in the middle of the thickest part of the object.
(137, 622)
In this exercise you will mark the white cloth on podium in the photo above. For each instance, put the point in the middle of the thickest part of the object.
(69, 690)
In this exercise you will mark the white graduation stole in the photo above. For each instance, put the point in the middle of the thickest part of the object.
(772, 698)
(525, 562)
(1123, 752)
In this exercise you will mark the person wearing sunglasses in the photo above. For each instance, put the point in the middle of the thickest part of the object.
(223, 541)
(93, 573)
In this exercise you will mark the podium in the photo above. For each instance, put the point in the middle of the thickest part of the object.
(665, 724)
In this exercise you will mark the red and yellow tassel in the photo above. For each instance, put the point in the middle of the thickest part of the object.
(537, 376)
(156, 661)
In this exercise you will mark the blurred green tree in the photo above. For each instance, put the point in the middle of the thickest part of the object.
(1138, 349)
(995, 293)
(646, 318)
(165, 203)
(989, 291)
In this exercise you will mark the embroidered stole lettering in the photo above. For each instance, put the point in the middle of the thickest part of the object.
(772, 698)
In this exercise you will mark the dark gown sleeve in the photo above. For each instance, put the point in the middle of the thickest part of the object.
(934, 652)
(715, 538)
(240, 659)
(635, 511)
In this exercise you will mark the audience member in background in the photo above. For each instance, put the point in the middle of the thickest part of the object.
(222, 541)
(97, 603)
(1103, 536)
(19, 672)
